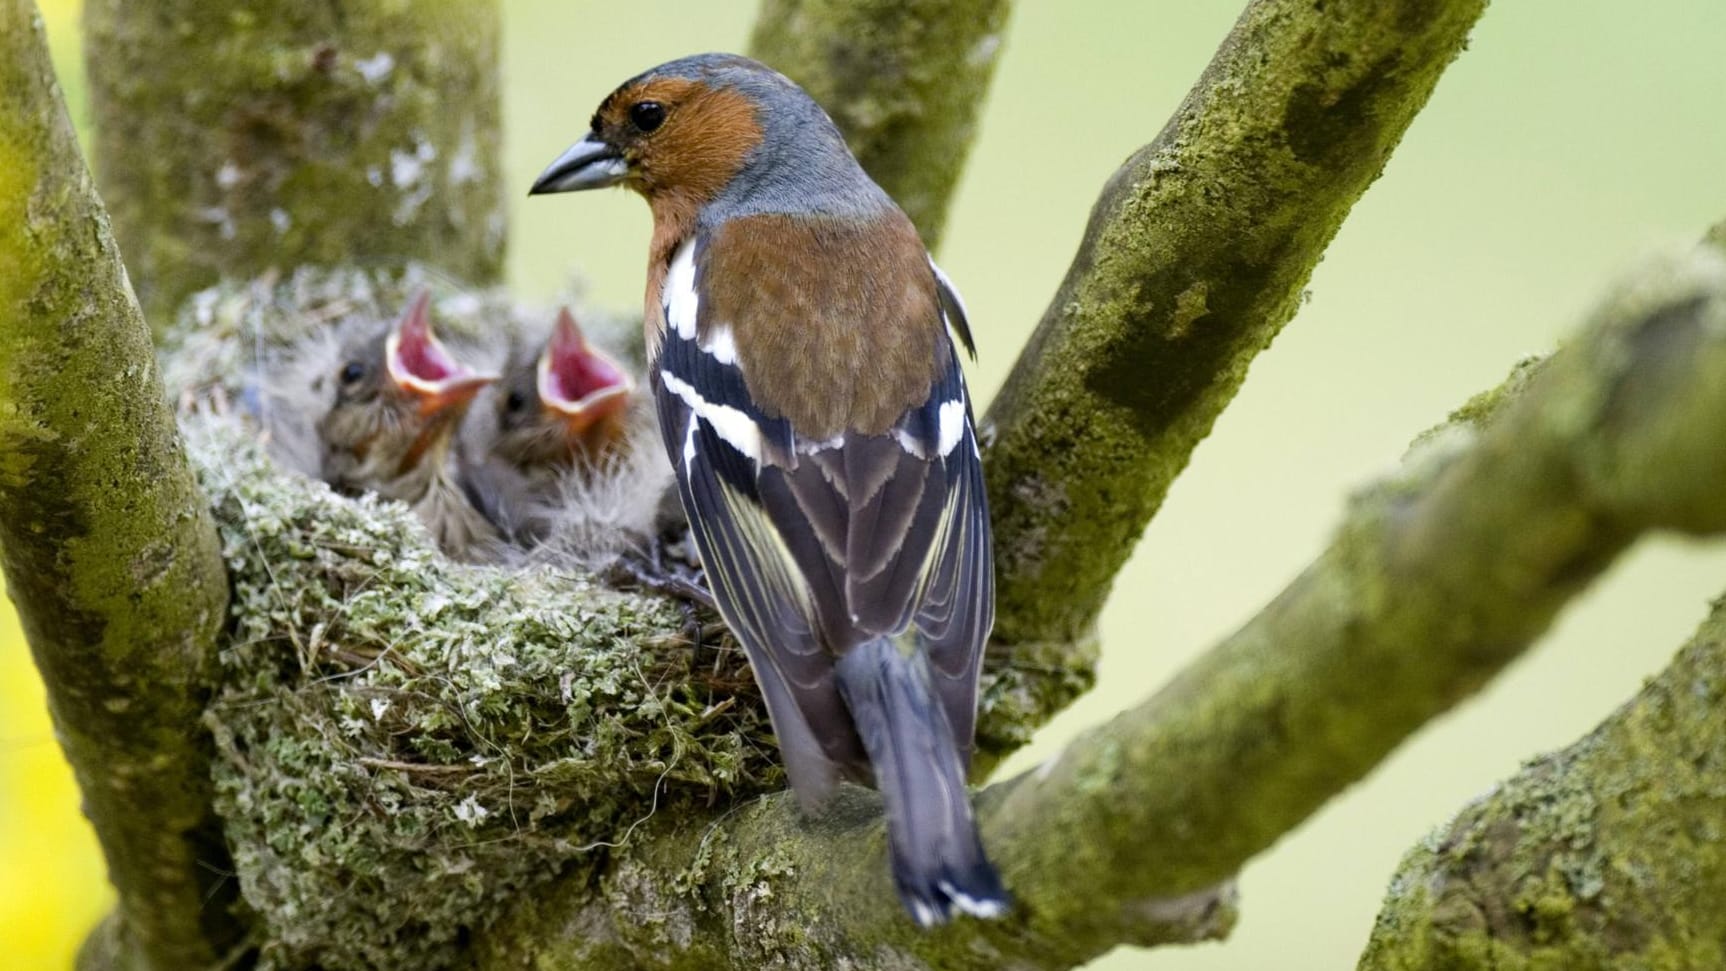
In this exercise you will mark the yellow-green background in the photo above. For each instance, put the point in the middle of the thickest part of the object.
(1570, 138)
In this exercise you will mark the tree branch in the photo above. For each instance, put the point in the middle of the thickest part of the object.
(302, 133)
(903, 79)
(1439, 578)
(1608, 854)
(1194, 258)
(109, 554)
(1604, 854)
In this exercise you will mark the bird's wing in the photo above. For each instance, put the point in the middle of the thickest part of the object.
(956, 606)
(815, 546)
(891, 533)
(718, 440)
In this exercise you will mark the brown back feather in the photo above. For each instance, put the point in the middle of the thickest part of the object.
(836, 320)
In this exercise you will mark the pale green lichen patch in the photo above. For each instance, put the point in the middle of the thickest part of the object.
(1018, 693)
(343, 134)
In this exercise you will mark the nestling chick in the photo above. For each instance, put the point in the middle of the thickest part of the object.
(398, 397)
(558, 421)
(562, 409)
(812, 406)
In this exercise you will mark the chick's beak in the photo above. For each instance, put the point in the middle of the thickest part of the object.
(422, 367)
(588, 164)
(579, 384)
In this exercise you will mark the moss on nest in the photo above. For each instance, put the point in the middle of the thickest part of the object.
(405, 742)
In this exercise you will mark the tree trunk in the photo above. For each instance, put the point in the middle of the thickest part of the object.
(108, 547)
(232, 138)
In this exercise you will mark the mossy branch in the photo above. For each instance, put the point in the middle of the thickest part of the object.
(1440, 576)
(762, 887)
(232, 138)
(903, 79)
(1609, 853)
(109, 553)
(1195, 257)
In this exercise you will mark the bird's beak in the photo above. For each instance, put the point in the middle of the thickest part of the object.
(579, 384)
(588, 164)
(420, 365)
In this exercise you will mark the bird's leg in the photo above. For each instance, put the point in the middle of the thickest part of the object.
(631, 571)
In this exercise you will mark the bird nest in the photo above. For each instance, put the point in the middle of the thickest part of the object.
(403, 743)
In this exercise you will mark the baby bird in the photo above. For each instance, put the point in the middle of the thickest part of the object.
(398, 397)
(558, 422)
(811, 403)
(565, 408)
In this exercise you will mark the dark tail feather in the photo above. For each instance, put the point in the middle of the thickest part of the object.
(938, 861)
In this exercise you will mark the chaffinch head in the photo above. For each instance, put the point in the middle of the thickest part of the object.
(398, 396)
(810, 399)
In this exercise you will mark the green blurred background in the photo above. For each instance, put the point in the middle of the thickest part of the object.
(1567, 140)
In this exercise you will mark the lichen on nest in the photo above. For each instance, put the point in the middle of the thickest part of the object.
(404, 742)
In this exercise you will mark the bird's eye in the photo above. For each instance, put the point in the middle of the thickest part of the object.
(516, 401)
(647, 115)
(353, 371)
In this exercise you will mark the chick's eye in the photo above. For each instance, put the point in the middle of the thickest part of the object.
(516, 401)
(647, 115)
(353, 371)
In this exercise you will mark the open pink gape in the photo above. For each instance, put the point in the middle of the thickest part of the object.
(420, 365)
(577, 380)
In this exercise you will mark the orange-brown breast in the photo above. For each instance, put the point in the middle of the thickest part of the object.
(836, 321)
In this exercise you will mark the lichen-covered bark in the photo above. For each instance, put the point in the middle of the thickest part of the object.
(1440, 576)
(1194, 258)
(1609, 854)
(903, 79)
(232, 138)
(109, 555)
(1437, 579)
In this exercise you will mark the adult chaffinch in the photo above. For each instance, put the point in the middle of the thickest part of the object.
(809, 395)
(399, 395)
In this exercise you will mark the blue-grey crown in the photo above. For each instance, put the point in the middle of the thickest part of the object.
(802, 164)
